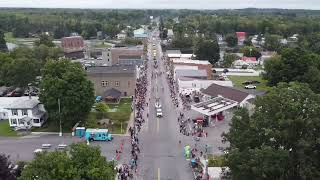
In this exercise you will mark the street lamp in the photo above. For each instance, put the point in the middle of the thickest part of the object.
(60, 133)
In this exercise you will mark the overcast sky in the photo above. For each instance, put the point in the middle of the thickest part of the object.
(164, 4)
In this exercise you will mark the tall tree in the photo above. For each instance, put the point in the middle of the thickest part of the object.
(294, 65)
(272, 42)
(3, 44)
(231, 40)
(82, 162)
(6, 172)
(66, 81)
(228, 60)
(207, 50)
(45, 40)
(251, 51)
(280, 140)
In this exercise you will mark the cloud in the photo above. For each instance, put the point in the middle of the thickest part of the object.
(164, 4)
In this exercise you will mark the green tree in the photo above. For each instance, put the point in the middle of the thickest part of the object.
(82, 162)
(272, 42)
(50, 165)
(66, 81)
(90, 164)
(6, 172)
(5, 63)
(231, 40)
(45, 40)
(207, 50)
(181, 42)
(294, 65)
(102, 109)
(251, 51)
(3, 45)
(228, 60)
(280, 140)
(22, 72)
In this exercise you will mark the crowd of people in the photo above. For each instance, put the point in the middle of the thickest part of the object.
(139, 103)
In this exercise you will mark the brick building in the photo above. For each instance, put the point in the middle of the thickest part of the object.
(121, 78)
(73, 46)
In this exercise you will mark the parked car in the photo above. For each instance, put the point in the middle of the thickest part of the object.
(250, 87)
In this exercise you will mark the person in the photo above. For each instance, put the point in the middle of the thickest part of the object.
(179, 141)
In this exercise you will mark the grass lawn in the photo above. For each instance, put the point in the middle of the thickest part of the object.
(121, 114)
(238, 80)
(9, 37)
(51, 126)
(6, 130)
(102, 45)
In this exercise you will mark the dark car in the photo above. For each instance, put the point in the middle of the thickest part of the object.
(247, 82)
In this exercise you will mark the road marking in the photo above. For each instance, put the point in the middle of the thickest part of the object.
(158, 173)
(158, 125)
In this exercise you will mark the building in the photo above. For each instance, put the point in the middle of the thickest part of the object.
(22, 111)
(122, 55)
(190, 73)
(191, 84)
(140, 34)
(121, 78)
(215, 90)
(195, 64)
(241, 37)
(73, 46)
(122, 36)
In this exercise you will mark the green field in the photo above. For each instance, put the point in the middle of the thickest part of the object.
(238, 80)
(6, 130)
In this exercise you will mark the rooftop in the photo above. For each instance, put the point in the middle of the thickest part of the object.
(112, 69)
(18, 102)
(191, 73)
(173, 52)
(214, 106)
(216, 90)
(189, 61)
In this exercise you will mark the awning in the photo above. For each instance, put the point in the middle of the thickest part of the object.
(112, 93)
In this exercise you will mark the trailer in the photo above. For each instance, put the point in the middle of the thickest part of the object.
(98, 135)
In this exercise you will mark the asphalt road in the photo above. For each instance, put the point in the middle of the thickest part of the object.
(161, 154)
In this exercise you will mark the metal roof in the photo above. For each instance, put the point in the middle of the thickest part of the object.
(18, 102)
(191, 73)
(214, 106)
(115, 69)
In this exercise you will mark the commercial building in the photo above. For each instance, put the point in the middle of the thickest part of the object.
(120, 78)
(140, 34)
(192, 64)
(22, 111)
(121, 55)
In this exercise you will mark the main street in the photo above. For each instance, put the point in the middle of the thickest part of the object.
(161, 154)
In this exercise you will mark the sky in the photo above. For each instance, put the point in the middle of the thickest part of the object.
(164, 4)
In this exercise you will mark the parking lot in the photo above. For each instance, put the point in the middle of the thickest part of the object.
(22, 148)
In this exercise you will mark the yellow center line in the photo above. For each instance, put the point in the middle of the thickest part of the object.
(158, 173)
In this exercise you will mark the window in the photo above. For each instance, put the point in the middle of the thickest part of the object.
(103, 83)
(14, 112)
(128, 83)
(36, 121)
(117, 83)
(108, 54)
(107, 83)
(13, 121)
(21, 122)
(24, 112)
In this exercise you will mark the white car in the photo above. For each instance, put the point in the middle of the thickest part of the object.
(159, 112)
(158, 105)
(250, 86)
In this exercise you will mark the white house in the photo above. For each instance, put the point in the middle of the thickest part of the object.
(140, 34)
(23, 111)
(121, 35)
(197, 84)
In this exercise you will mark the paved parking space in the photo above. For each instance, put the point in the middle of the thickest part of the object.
(21, 149)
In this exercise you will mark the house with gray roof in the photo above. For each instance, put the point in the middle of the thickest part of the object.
(191, 73)
(23, 111)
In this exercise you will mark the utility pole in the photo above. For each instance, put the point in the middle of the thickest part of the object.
(60, 133)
